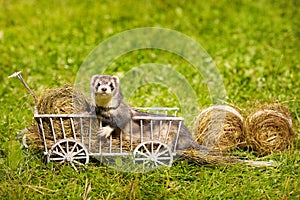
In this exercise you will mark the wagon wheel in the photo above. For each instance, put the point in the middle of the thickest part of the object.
(153, 154)
(69, 151)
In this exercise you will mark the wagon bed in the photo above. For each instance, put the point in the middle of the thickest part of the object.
(73, 138)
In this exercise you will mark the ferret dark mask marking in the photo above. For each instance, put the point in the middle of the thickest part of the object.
(105, 91)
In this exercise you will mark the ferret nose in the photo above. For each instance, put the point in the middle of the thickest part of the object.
(103, 89)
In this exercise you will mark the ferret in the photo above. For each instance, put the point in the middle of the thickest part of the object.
(107, 100)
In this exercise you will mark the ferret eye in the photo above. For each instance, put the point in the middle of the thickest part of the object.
(99, 84)
(111, 86)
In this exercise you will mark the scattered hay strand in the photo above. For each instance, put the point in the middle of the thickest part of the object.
(202, 158)
(269, 129)
(220, 127)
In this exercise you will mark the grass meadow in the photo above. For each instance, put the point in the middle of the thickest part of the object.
(255, 45)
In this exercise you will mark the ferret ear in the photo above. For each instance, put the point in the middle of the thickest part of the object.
(116, 79)
(93, 80)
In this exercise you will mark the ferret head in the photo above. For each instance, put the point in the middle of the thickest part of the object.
(105, 90)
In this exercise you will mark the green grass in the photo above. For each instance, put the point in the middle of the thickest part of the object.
(255, 46)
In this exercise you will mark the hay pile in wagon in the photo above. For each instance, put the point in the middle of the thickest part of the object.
(61, 100)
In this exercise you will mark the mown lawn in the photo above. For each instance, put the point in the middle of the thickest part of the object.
(255, 46)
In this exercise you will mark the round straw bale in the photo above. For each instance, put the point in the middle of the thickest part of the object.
(269, 129)
(220, 127)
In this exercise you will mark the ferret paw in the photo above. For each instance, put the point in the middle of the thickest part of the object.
(105, 131)
(87, 113)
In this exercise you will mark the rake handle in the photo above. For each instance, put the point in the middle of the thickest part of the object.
(19, 76)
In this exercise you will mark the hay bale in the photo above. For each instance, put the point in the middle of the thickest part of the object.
(61, 100)
(269, 129)
(220, 127)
